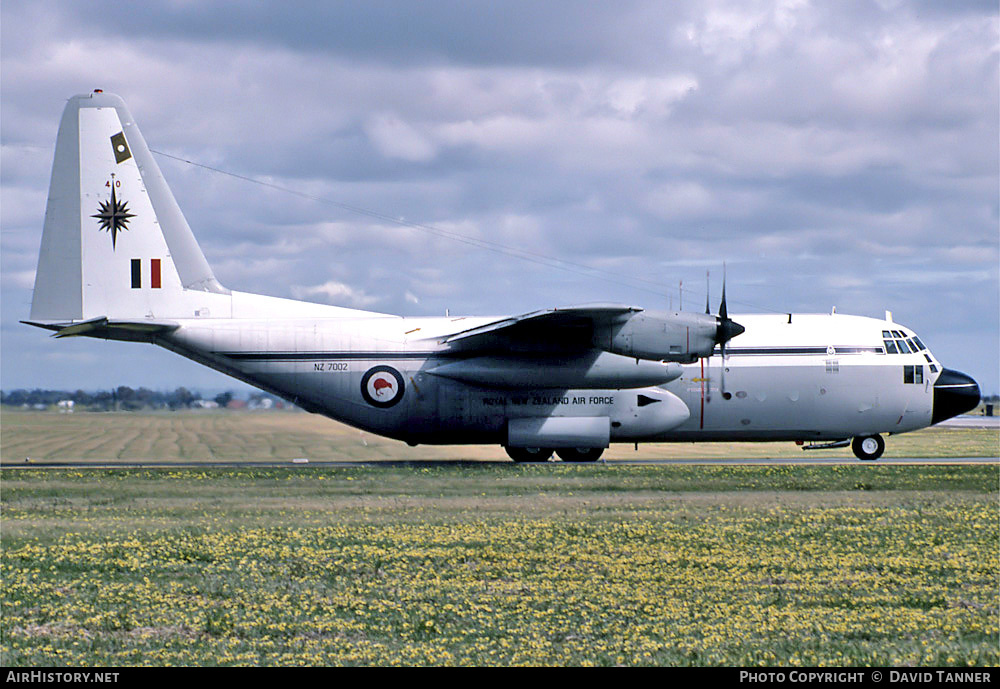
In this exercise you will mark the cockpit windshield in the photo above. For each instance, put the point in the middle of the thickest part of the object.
(898, 342)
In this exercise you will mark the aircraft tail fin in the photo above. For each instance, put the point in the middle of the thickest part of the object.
(115, 243)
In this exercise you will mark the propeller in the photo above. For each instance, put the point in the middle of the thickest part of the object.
(726, 330)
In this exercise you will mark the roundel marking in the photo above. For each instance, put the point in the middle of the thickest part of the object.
(382, 386)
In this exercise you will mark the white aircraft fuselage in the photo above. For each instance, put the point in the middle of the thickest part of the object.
(118, 261)
(804, 377)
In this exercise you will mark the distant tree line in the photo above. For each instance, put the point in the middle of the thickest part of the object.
(122, 398)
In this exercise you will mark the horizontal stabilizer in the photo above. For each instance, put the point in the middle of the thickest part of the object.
(102, 327)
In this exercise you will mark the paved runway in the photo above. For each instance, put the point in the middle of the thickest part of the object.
(728, 461)
(802, 461)
(992, 422)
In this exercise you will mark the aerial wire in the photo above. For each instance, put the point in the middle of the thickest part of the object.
(485, 244)
(496, 247)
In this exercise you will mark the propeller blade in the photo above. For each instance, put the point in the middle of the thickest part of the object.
(708, 293)
(728, 328)
(722, 373)
(723, 311)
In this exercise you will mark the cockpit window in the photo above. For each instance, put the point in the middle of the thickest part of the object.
(898, 342)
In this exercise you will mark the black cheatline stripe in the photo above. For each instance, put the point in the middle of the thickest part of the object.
(316, 356)
(761, 351)
(373, 356)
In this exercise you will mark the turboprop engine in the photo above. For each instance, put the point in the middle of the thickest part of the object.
(678, 336)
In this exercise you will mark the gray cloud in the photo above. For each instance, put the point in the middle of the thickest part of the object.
(838, 154)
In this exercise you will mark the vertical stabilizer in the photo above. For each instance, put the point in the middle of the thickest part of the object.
(115, 243)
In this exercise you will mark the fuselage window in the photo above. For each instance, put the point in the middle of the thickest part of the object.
(907, 375)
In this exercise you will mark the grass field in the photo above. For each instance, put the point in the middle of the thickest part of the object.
(497, 564)
(282, 436)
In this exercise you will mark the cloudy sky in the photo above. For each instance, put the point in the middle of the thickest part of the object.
(534, 154)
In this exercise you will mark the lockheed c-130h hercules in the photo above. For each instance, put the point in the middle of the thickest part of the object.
(119, 261)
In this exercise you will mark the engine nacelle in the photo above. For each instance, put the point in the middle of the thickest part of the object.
(678, 336)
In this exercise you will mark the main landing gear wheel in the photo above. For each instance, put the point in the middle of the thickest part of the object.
(580, 454)
(869, 447)
(529, 454)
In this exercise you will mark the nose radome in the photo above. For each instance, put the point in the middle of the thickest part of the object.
(954, 393)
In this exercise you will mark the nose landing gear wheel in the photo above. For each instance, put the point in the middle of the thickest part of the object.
(868, 447)
(580, 454)
(529, 454)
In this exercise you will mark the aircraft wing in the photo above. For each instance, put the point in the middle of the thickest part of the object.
(570, 325)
